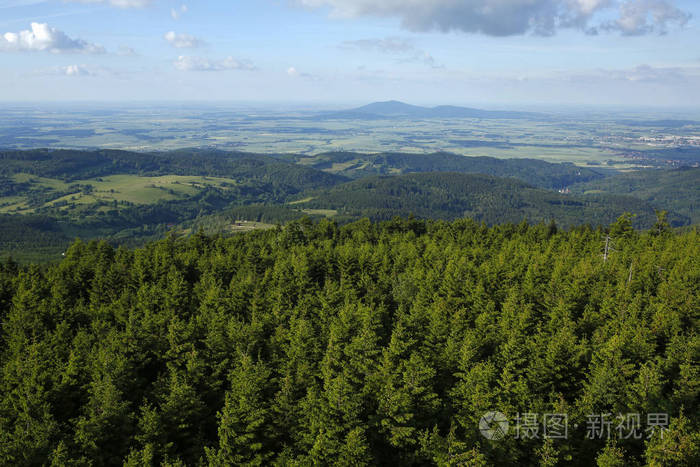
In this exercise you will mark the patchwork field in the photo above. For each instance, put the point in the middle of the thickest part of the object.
(612, 139)
(114, 188)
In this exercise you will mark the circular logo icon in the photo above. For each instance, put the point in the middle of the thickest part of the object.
(493, 425)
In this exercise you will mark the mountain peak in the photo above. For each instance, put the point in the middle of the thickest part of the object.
(394, 109)
(390, 108)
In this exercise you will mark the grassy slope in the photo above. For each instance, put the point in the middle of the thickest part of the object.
(123, 187)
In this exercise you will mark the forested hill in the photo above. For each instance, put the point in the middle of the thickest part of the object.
(289, 169)
(678, 190)
(489, 199)
(49, 197)
(535, 172)
(70, 165)
(358, 345)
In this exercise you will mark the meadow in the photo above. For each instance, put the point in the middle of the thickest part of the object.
(120, 188)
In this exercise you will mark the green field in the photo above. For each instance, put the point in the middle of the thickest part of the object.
(120, 188)
(321, 212)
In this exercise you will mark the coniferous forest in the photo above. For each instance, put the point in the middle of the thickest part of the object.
(363, 344)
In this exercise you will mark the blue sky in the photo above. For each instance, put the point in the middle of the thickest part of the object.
(497, 52)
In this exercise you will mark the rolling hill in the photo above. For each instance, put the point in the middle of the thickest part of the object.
(71, 165)
(677, 190)
(535, 172)
(49, 197)
(484, 198)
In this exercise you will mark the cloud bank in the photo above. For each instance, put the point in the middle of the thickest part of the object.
(43, 38)
(514, 17)
(190, 63)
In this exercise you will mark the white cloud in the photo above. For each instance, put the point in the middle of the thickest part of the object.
(76, 70)
(118, 3)
(394, 45)
(397, 46)
(589, 6)
(639, 17)
(43, 38)
(294, 73)
(176, 13)
(182, 41)
(512, 17)
(191, 63)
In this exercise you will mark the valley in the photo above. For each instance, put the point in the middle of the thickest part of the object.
(50, 197)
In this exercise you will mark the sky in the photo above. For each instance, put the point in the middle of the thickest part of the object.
(498, 53)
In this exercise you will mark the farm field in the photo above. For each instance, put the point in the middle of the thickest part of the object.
(614, 139)
(113, 188)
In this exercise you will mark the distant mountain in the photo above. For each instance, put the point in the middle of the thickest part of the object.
(397, 109)
(484, 198)
(535, 172)
(389, 108)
